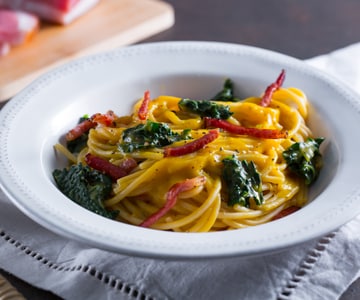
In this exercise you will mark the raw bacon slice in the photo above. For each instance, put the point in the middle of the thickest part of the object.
(58, 11)
(64, 5)
(4, 48)
(16, 27)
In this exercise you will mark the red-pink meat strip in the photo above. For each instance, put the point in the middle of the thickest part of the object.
(58, 11)
(171, 198)
(17, 27)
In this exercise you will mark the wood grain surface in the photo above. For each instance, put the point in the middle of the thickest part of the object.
(112, 23)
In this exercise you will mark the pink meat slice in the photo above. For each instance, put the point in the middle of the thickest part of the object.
(4, 48)
(58, 11)
(61, 5)
(16, 28)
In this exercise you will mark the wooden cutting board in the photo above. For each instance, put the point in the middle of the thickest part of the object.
(111, 24)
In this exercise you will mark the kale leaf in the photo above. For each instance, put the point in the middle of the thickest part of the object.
(205, 108)
(75, 146)
(149, 135)
(242, 181)
(305, 159)
(227, 93)
(87, 187)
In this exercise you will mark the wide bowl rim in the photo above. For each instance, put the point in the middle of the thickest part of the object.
(154, 243)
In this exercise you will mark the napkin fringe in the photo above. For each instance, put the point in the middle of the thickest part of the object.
(306, 266)
(110, 280)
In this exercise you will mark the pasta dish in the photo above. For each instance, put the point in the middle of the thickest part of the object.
(195, 165)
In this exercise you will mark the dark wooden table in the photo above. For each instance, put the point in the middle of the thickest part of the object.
(302, 29)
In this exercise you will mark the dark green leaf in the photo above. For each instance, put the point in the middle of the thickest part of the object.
(242, 181)
(149, 135)
(227, 93)
(87, 187)
(205, 108)
(305, 159)
(75, 146)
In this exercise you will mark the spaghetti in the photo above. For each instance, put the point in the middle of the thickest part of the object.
(182, 186)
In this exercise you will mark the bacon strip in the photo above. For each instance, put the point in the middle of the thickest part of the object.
(266, 99)
(58, 11)
(4, 48)
(102, 165)
(144, 108)
(17, 27)
(83, 127)
(104, 119)
(193, 146)
(63, 5)
(171, 198)
(237, 129)
(285, 212)
(79, 129)
(128, 164)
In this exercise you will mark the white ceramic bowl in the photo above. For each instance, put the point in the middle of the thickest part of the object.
(34, 120)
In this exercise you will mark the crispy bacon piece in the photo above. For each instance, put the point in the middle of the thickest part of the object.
(285, 212)
(143, 110)
(58, 11)
(171, 198)
(104, 119)
(79, 129)
(193, 146)
(237, 129)
(17, 27)
(266, 98)
(128, 164)
(102, 165)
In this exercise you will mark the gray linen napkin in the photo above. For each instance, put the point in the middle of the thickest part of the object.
(319, 269)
